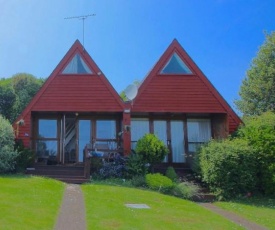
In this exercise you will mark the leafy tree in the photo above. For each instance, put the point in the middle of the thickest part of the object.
(16, 92)
(7, 100)
(258, 88)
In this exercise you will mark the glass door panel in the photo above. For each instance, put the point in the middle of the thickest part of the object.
(84, 135)
(177, 142)
(160, 131)
(139, 127)
(70, 140)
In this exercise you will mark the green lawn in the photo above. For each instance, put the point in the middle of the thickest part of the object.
(105, 209)
(29, 202)
(258, 210)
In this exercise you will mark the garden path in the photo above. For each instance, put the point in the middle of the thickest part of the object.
(72, 214)
(233, 217)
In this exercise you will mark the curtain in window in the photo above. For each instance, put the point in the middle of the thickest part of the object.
(199, 132)
(177, 141)
(161, 133)
(139, 127)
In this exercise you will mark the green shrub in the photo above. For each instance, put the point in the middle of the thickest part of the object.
(135, 165)
(7, 153)
(138, 181)
(25, 157)
(151, 149)
(159, 182)
(185, 190)
(171, 173)
(259, 131)
(228, 167)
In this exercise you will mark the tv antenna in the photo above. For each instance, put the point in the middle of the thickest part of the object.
(83, 18)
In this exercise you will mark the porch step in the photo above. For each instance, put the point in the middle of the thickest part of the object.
(70, 174)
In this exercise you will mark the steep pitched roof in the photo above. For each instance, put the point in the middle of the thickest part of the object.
(76, 84)
(176, 84)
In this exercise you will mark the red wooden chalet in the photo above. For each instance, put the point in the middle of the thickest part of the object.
(77, 107)
(178, 103)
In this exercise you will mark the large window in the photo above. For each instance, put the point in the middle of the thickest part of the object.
(139, 127)
(47, 144)
(199, 132)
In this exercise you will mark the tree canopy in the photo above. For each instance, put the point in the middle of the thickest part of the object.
(16, 92)
(257, 93)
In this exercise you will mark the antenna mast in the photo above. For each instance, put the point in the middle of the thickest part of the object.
(83, 17)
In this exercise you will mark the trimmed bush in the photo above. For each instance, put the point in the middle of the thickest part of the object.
(159, 182)
(259, 131)
(228, 167)
(171, 173)
(151, 149)
(7, 153)
(185, 190)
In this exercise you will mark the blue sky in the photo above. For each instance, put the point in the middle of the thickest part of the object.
(127, 37)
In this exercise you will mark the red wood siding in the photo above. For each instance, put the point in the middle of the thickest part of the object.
(25, 130)
(233, 124)
(186, 94)
(77, 93)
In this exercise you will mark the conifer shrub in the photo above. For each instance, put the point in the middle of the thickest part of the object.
(229, 167)
(135, 165)
(171, 173)
(159, 182)
(25, 157)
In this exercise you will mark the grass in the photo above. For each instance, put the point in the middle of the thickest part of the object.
(259, 210)
(105, 209)
(29, 202)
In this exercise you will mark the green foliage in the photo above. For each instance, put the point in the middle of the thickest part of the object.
(229, 167)
(185, 190)
(159, 182)
(138, 181)
(259, 131)
(7, 153)
(16, 92)
(7, 100)
(151, 149)
(257, 91)
(25, 157)
(135, 165)
(171, 173)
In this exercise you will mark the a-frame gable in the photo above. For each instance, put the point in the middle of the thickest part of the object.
(189, 92)
(93, 78)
